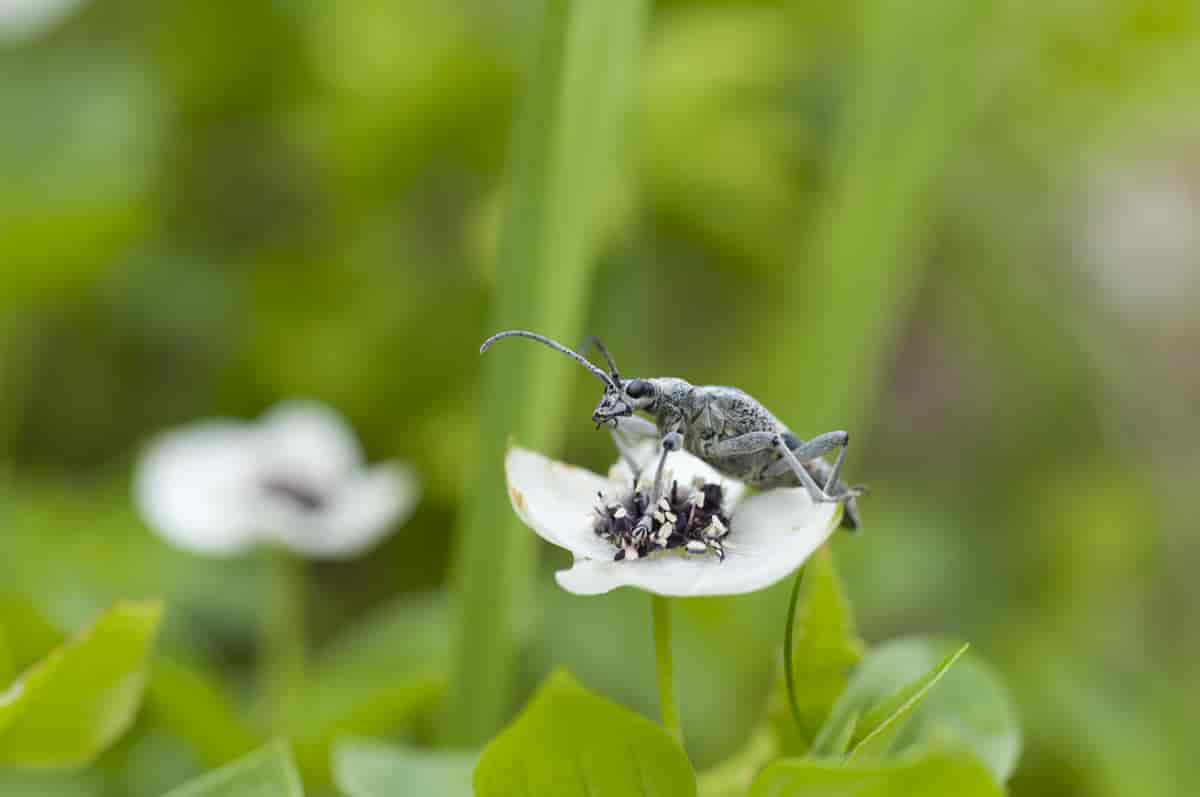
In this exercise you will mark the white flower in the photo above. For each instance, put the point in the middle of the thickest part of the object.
(27, 19)
(770, 534)
(296, 478)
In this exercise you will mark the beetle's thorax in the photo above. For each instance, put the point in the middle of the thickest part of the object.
(674, 398)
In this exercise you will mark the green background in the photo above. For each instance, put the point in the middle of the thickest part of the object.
(963, 231)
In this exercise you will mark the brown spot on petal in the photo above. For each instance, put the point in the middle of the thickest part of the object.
(563, 468)
(518, 500)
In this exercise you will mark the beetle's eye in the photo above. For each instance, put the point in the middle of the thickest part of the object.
(638, 388)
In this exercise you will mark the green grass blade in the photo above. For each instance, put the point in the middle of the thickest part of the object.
(908, 106)
(881, 724)
(567, 156)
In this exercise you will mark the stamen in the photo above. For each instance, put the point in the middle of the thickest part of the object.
(686, 519)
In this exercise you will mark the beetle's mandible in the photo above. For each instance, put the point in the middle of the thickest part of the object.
(723, 426)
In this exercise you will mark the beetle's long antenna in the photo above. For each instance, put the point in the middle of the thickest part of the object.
(592, 340)
(574, 355)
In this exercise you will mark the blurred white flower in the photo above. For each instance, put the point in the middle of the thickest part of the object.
(26, 19)
(296, 478)
(1140, 237)
(769, 535)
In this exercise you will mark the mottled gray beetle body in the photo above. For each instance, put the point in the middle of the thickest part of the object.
(723, 426)
(712, 414)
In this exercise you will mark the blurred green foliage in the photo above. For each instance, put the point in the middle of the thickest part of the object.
(94, 682)
(867, 217)
(371, 769)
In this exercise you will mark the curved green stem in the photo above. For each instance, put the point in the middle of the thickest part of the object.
(666, 667)
(789, 676)
(283, 637)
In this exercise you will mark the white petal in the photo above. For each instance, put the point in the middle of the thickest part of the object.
(26, 19)
(770, 535)
(681, 467)
(369, 505)
(310, 443)
(192, 486)
(556, 501)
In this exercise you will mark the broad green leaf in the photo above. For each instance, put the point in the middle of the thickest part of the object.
(571, 743)
(28, 635)
(731, 641)
(938, 774)
(969, 705)
(570, 151)
(269, 772)
(77, 701)
(881, 725)
(59, 784)
(823, 652)
(363, 768)
(8, 666)
(196, 709)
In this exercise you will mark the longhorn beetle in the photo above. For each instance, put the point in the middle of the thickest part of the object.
(723, 426)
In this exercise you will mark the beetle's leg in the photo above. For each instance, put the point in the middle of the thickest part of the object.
(791, 461)
(625, 450)
(631, 427)
(753, 442)
(831, 482)
(636, 427)
(672, 441)
(748, 443)
(819, 446)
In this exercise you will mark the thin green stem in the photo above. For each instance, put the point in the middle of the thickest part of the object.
(789, 676)
(666, 667)
(283, 637)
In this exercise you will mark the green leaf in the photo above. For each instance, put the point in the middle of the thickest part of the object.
(363, 768)
(570, 742)
(196, 709)
(934, 775)
(28, 635)
(821, 650)
(269, 772)
(8, 667)
(883, 723)
(969, 707)
(570, 151)
(77, 701)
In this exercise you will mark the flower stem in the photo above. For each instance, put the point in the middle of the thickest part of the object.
(789, 674)
(283, 638)
(666, 667)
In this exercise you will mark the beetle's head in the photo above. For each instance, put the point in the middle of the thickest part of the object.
(622, 399)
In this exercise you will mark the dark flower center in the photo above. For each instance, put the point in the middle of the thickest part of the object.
(304, 496)
(694, 521)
